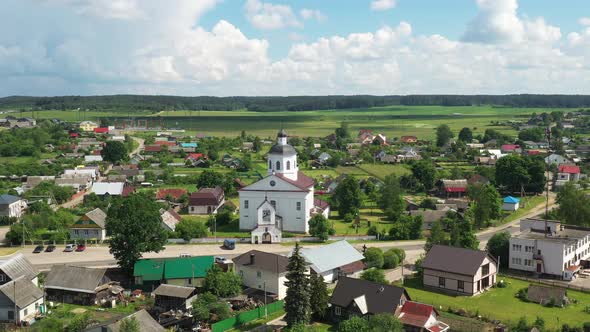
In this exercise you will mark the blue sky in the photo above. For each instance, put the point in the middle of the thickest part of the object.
(277, 47)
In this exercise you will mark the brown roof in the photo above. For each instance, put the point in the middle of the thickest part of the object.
(263, 260)
(303, 181)
(429, 216)
(379, 298)
(152, 148)
(206, 196)
(174, 291)
(454, 260)
(175, 193)
(352, 267)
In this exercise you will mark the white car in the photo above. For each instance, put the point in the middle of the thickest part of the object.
(222, 260)
(70, 247)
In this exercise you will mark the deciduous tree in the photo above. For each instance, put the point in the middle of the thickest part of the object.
(114, 151)
(391, 201)
(443, 135)
(347, 197)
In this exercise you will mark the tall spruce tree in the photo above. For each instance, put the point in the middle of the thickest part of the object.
(297, 301)
(320, 298)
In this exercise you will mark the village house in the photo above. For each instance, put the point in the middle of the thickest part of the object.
(409, 139)
(101, 130)
(420, 317)
(82, 171)
(567, 173)
(511, 148)
(171, 194)
(12, 206)
(79, 285)
(556, 159)
(172, 297)
(170, 219)
(144, 320)
(452, 188)
(549, 248)
(15, 266)
(92, 225)
(362, 298)
(87, 126)
(333, 261)
(263, 271)
(179, 271)
(365, 136)
(89, 159)
(206, 201)
(429, 217)
(459, 271)
(34, 181)
(78, 183)
(22, 295)
(380, 139)
(510, 203)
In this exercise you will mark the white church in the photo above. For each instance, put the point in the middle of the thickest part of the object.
(283, 201)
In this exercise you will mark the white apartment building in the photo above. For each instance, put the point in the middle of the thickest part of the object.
(549, 248)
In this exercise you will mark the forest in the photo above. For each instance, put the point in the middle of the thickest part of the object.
(292, 103)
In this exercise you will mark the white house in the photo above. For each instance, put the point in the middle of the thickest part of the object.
(91, 158)
(12, 206)
(206, 201)
(568, 173)
(282, 201)
(263, 271)
(18, 285)
(510, 203)
(82, 171)
(548, 247)
(108, 188)
(334, 260)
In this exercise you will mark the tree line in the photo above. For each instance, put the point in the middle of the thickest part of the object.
(291, 103)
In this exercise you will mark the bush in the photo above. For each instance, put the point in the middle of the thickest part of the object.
(522, 294)
(374, 258)
(374, 275)
(502, 284)
(390, 260)
(401, 254)
(349, 217)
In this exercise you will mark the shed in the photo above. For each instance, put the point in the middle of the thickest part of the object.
(510, 203)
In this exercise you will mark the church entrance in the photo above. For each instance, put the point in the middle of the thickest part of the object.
(266, 238)
(256, 239)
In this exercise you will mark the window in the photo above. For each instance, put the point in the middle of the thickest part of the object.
(337, 311)
(441, 282)
(259, 274)
(460, 285)
(274, 204)
(278, 165)
(298, 206)
(517, 247)
(86, 232)
(485, 270)
(10, 315)
(241, 273)
(516, 261)
(76, 232)
(269, 164)
(288, 165)
(25, 312)
(246, 204)
(2, 278)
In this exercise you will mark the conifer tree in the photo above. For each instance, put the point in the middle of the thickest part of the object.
(297, 301)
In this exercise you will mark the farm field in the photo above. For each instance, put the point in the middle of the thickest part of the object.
(393, 121)
(493, 304)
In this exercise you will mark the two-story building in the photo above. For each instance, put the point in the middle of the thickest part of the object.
(459, 271)
(12, 206)
(206, 201)
(548, 247)
(92, 225)
(263, 271)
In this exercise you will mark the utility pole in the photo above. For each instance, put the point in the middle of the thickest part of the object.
(547, 179)
(265, 308)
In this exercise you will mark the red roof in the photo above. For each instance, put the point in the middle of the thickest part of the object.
(510, 147)
(74, 135)
(303, 181)
(195, 156)
(152, 148)
(175, 193)
(455, 189)
(353, 267)
(533, 152)
(320, 203)
(570, 169)
(127, 190)
(408, 138)
(167, 143)
(416, 314)
(101, 130)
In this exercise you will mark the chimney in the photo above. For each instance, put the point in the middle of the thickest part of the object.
(252, 259)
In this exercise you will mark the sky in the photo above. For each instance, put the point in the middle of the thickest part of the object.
(303, 47)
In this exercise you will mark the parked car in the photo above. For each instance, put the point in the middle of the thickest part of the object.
(50, 248)
(38, 249)
(229, 244)
(69, 248)
(221, 260)
(80, 247)
(185, 255)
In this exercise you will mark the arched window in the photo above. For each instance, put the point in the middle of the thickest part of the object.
(269, 164)
(288, 165)
(278, 165)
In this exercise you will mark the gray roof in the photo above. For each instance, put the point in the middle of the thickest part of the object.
(286, 150)
(454, 260)
(429, 216)
(111, 188)
(544, 294)
(98, 216)
(331, 256)
(8, 199)
(25, 290)
(377, 298)
(145, 320)
(17, 265)
(174, 291)
(263, 260)
(74, 278)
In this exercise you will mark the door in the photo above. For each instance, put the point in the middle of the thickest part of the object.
(266, 238)
(539, 268)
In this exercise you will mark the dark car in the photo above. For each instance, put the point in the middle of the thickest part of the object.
(229, 244)
(80, 247)
(50, 248)
(38, 249)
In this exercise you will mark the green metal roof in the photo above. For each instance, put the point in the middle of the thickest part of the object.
(179, 268)
(172, 268)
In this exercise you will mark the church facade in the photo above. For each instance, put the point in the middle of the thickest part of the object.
(283, 201)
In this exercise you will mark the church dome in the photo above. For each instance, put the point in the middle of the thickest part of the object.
(285, 150)
(282, 133)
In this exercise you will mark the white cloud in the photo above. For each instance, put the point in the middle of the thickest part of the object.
(308, 14)
(110, 9)
(585, 21)
(380, 5)
(268, 16)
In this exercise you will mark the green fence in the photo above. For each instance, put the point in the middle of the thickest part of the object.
(246, 317)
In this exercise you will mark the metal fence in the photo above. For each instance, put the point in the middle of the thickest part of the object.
(246, 317)
(554, 283)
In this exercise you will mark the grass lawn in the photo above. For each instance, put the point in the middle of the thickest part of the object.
(380, 171)
(367, 215)
(4, 251)
(255, 323)
(501, 304)
(222, 231)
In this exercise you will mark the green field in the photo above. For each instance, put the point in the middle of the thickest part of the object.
(499, 303)
(393, 121)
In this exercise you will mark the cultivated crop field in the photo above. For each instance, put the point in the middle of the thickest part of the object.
(394, 121)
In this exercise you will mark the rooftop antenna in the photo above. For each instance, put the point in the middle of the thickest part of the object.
(548, 132)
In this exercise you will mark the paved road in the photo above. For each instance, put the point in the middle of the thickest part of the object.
(100, 256)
